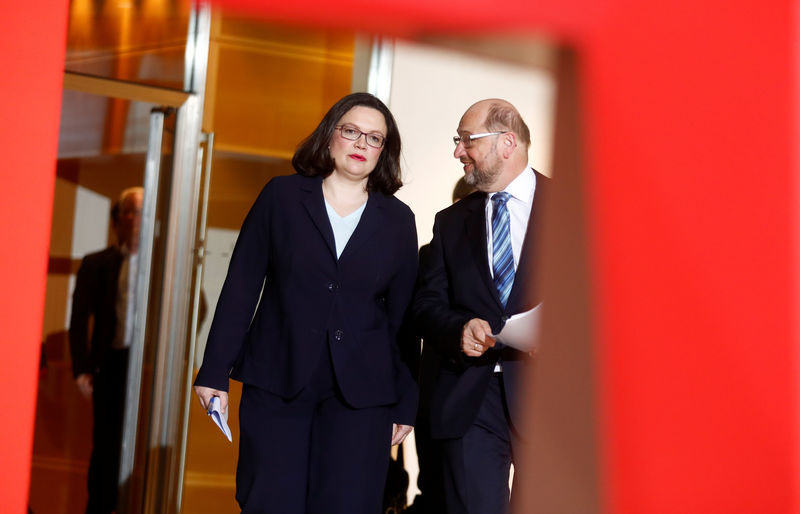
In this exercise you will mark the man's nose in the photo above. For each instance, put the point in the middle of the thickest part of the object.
(459, 151)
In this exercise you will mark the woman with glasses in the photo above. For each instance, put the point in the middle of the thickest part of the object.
(325, 390)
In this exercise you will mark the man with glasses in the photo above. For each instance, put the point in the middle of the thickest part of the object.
(478, 273)
(100, 332)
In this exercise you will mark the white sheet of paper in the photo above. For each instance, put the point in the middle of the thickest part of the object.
(220, 419)
(521, 331)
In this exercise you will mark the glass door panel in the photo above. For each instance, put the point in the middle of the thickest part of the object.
(137, 40)
(103, 150)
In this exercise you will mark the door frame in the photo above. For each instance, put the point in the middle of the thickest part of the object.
(161, 486)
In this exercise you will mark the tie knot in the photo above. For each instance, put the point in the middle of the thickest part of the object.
(500, 198)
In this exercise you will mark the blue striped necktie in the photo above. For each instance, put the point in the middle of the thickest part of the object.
(502, 255)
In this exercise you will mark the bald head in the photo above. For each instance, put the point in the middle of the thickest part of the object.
(493, 144)
(500, 116)
(130, 217)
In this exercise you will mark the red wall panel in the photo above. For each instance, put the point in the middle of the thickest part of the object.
(692, 182)
(691, 126)
(32, 39)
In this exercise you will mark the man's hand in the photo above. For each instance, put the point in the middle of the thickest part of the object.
(399, 433)
(85, 383)
(206, 393)
(476, 337)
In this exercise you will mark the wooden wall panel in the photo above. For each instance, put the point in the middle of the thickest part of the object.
(63, 218)
(319, 41)
(141, 41)
(236, 181)
(266, 103)
(269, 86)
(209, 482)
(62, 439)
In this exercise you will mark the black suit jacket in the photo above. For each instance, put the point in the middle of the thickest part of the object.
(95, 296)
(427, 364)
(311, 301)
(456, 286)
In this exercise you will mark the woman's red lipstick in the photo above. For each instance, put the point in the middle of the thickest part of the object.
(357, 157)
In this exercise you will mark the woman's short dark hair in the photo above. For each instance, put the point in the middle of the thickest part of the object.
(313, 156)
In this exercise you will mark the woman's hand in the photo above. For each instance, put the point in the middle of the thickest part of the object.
(206, 393)
(399, 433)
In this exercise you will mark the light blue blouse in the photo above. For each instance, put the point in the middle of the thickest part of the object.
(343, 226)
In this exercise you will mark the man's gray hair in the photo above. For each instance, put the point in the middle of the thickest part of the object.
(503, 117)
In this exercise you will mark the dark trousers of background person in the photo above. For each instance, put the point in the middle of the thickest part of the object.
(108, 405)
(476, 466)
(430, 480)
(312, 454)
(429, 451)
(395, 493)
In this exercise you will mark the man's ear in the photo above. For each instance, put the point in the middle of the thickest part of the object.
(509, 143)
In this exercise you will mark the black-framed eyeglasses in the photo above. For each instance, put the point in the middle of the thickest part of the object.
(373, 139)
(467, 139)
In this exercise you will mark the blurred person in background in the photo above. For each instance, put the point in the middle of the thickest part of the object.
(100, 332)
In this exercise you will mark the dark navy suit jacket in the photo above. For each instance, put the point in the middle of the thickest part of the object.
(311, 300)
(95, 297)
(455, 285)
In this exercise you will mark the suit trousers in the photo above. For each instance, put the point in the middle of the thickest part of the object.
(430, 480)
(312, 454)
(108, 407)
(477, 465)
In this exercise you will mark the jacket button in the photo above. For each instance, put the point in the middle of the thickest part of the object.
(338, 335)
(332, 286)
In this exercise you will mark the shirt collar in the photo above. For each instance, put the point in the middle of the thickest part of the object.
(522, 187)
(125, 251)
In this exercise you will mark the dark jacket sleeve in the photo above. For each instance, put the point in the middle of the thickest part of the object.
(398, 299)
(239, 296)
(411, 345)
(435, 319)
(79, 348)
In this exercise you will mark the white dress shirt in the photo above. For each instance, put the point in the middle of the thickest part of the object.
(519, 206)
(126, 286)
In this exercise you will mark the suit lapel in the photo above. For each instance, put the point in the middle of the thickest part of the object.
(315, 205)
(475, 224)
(371, 220)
